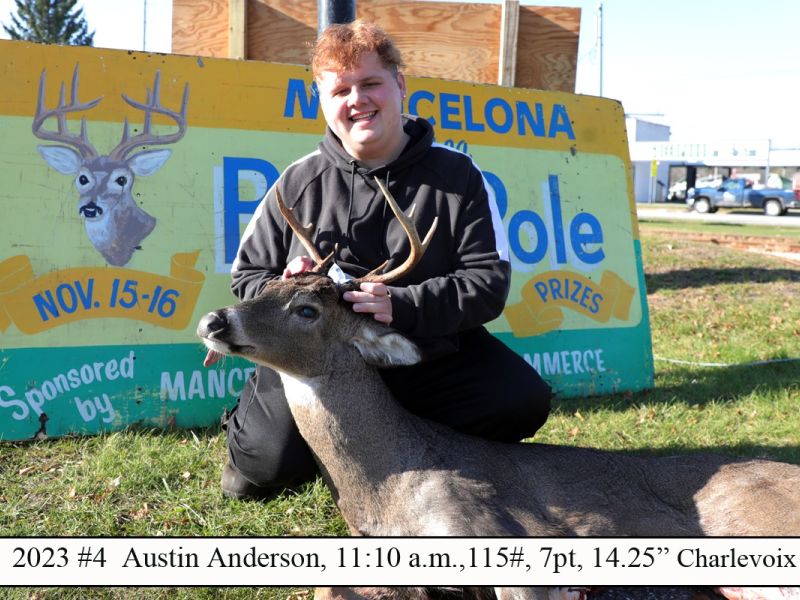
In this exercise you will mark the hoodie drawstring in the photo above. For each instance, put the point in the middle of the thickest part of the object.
(350, 206)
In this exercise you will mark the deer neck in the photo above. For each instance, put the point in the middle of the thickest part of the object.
(354, 426)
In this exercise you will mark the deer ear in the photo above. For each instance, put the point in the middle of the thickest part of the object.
(384, 347)
(62, 159)
(148, 162)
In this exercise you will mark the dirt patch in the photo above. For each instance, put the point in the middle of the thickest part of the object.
(786, 249)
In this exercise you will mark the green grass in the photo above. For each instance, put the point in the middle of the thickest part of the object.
(650, 224)
(144, 483)
(708, 304)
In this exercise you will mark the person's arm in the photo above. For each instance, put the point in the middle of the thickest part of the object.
(262, 251)
(474, 292)
(255, 263)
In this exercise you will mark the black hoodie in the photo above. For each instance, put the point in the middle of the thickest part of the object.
(461, 281)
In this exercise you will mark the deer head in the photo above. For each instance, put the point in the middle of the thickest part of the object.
(113, 221)
(303, 316)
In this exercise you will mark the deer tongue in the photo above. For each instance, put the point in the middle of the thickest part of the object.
(211, 357)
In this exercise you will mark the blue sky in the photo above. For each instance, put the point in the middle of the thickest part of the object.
(713, 69)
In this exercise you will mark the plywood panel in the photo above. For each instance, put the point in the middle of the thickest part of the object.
(442, 39)
(438, 39)
(281, 30)
(547, 47)
(200, 27)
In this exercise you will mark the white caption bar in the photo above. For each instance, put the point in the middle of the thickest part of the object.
(400, 561)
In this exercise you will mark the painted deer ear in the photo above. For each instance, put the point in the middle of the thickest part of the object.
(384, 347)
(148, 162)
(62, 159)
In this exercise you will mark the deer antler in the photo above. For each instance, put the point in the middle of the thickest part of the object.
(80, 142)
(418, 247)
(302, 233)
(152, 105)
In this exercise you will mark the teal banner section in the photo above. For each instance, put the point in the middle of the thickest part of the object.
(57, 391)
(588, 363)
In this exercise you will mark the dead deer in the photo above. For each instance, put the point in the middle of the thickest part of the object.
(395, 474)
(114, 222)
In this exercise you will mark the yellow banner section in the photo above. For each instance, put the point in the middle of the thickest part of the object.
(544, 297)
(259, 96)
(35, 304)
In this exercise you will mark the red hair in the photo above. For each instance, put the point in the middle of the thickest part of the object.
(342, 47)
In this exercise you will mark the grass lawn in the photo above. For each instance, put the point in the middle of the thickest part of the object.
(708, 304)
(791, 234)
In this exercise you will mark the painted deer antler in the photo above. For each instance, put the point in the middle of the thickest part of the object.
(418, 247)
(80, 142)
(146, 137)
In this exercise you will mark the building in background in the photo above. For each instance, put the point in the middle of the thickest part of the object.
(664, 170)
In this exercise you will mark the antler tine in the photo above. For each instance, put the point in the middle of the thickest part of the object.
(152, 105)
(418, 247)
(303, 234)
(62, 135)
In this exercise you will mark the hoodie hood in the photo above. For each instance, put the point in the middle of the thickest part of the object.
(367, 211)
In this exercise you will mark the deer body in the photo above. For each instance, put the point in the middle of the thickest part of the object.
(393, 473)
(396, 474)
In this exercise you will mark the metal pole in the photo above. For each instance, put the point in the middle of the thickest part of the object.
(330, 12)
(767, 168)
(144, 27)
(600, 42)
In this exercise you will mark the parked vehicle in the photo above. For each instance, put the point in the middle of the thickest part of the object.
(740, 193)
(677, 191)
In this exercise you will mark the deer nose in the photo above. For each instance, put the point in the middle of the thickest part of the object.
(211, 323)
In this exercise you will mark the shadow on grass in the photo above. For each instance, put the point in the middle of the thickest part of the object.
(701, 385)
(702, 277)
(789, 454)
(698, 386)
(134, 428)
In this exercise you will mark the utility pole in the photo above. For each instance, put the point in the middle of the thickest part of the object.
(144, 27)
(600, 42)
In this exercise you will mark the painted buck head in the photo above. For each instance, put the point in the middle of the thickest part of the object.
(114, 222)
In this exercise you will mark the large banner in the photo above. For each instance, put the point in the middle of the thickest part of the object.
(127, 179)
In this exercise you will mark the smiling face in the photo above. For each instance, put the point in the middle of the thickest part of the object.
(363, 107)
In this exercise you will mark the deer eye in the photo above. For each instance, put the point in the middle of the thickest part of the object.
(307, 312)
(83, 180)
(121, 181)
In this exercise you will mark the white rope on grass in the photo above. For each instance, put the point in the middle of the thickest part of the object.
(706, 364)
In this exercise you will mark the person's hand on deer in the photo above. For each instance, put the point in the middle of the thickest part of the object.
(372, 298)
(338, 198)
(299, 264)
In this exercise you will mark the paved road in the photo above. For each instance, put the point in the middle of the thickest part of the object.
(649, 212)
